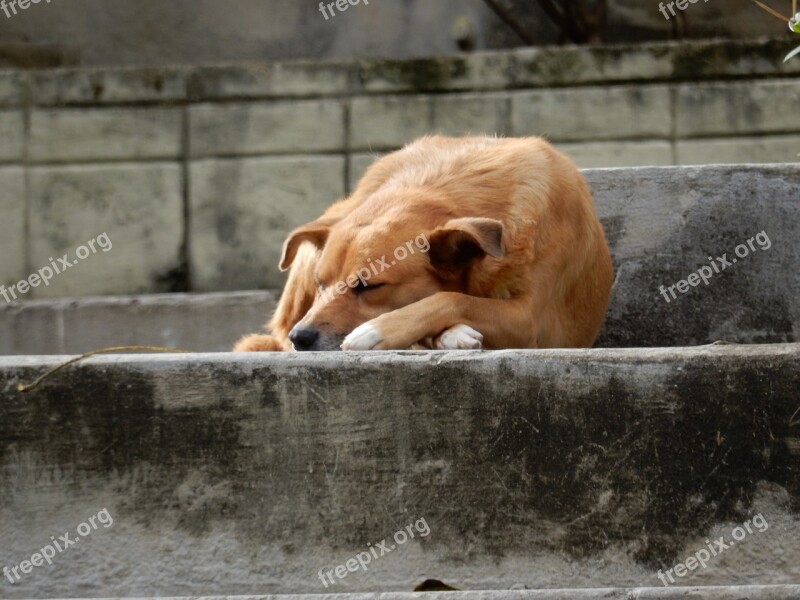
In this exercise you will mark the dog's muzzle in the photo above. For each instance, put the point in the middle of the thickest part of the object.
(309, 339)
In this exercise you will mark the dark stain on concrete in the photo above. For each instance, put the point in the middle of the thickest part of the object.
(698, 61)
(419, 75)
(172, 281)
(226, 226)
(614, 228)
(95, 426)
(610, 468)
(551, 65)
(749, 299)
(576, 473)
(511, 460)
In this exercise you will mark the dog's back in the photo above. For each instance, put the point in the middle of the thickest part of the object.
(554, 249)
(551, 230)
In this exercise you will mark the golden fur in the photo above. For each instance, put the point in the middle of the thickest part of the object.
(517, 253)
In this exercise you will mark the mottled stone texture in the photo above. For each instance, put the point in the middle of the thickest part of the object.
(219, 162)
(237, 475)
(12, 134)
(138, 207)
(102, 134)
(549, 469)
(192, 31)
(745, 592)
(194, 322)
(12, 225)
(662, 225)
(242, 210)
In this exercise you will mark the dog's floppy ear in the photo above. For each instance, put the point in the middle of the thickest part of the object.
(458, 242)
(315, 232)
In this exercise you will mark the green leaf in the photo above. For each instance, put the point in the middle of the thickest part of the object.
(792, 54)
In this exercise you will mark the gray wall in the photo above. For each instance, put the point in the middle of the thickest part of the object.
(156, 32)
(197, 174)
(662, 224)
(230, 474)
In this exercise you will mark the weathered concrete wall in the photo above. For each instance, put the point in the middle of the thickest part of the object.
(196, 175)
(662, 226)
(157, 33)
(238, 475)
(666, 224)
(195, 322)
(745, 592)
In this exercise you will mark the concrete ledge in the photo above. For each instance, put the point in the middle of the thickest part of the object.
(663, 224)
(242, 475)
(207, 322)
(742, 592)
(481, 71)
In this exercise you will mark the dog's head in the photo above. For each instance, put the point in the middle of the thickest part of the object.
(369, 267)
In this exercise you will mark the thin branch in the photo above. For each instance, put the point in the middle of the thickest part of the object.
(555, 11)
(25, 388)
(561, 18)
(509, 20)
(772, 11)
(572, 21)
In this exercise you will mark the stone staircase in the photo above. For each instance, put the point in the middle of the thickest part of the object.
(599, 473)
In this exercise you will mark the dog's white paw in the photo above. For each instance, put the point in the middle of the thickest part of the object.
(363, 337)
(459, 337)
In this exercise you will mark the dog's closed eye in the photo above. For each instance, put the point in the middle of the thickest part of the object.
(361, 287)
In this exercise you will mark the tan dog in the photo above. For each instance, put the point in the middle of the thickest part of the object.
(502, 249)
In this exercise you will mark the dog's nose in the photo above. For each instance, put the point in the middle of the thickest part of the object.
(303, 338)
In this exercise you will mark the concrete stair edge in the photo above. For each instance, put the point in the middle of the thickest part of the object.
(466, 358)
(725, 592)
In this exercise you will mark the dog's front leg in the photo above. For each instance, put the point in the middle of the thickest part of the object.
(457, 337)
(503, 323)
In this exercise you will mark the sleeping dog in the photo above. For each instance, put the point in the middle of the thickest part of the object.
(476, 242)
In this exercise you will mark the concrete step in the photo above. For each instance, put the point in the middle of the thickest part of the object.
(219, 474)
(746, 592)
(666, 227)
(197, 322)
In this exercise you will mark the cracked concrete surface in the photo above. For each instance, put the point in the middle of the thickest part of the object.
(247, 475)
